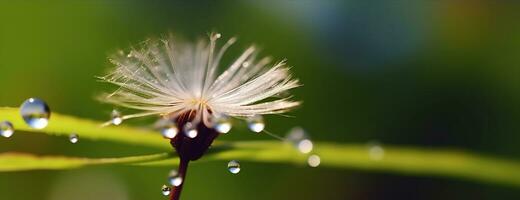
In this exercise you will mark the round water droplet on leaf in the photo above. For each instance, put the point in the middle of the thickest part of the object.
(35, 113)
(116, 117)
(256, 123)
(166, 190)
(234, 166)
(6, 129)
(190, 130)
(73, 138)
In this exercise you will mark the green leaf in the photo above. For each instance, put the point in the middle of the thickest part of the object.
(401, 160)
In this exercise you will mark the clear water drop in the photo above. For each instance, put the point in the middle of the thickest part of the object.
(174, 179)
(35, 113)
(314, 160)
(305, 146)
(168, 128)
(256, 123)
(222, 124)
(166, 190)
(190, 130)
(73, 138)
(233, 166)
(116, 117)
(6, 129)
(299, 138)
(375, 151)
(218, 35)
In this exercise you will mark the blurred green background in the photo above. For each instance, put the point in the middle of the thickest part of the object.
(416, 73)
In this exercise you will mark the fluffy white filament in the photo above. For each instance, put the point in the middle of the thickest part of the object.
(167, 78)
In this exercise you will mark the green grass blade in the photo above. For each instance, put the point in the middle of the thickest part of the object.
(24, 161)
(413, 161)
(88, 129)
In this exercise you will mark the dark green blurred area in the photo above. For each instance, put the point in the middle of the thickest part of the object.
(422, 73)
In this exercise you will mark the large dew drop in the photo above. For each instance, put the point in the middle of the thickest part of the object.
(256, 123)
(35, 113)
(174, 179)
(190, 130)
(166, 190)
(233, 166)
(73, 138)
(6, 129)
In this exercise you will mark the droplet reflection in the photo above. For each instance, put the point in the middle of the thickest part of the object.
(174, 179)
(234, 167)
(190, 130)
(73, 138)
(116, 117)
(166, 190)
(6, 129)
(256, 123)
(35, 113)
(314, 161)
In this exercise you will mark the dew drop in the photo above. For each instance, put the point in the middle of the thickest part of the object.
(166, 190)
(299, 138)
(6, 129)
(256, 123)
(218, 35)
(190, 130)
(245, 64)
(35, 113)
(375, 151)
(314, 161)
(222, 124)
(116, 117)
(174, 179)
(233, 166)
(73, 138)
(168, 128)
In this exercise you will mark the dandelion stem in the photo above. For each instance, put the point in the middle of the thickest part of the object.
(183, 168)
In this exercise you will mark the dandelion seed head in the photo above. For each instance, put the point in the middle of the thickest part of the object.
(169, 78)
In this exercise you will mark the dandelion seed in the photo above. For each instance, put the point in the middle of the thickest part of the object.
(180, 81)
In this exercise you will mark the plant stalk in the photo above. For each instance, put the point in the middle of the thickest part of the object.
(183, 168)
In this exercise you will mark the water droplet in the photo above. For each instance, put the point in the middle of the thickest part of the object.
(174, 179)
(256, 123)
(73, 138)
(166, 190)
(35, 113)
(300, 140)
(222, 124)
(305, 146)
(6, 129)
(314, 161)
(168, 128)
(245, 64)
(233, 166)
(218, 35)
(375, 151)
(190, 130)
(116, 117)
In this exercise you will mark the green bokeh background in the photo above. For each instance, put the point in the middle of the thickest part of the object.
(420, 73)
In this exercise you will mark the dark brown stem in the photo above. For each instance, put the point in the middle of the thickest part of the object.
(183, 168)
